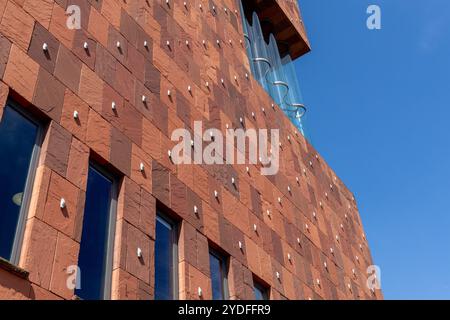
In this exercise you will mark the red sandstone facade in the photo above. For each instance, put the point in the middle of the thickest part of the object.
(53, 86)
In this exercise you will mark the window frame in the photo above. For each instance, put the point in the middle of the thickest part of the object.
(224, 271)
(16, 249)
(165, 219)
(112, 221)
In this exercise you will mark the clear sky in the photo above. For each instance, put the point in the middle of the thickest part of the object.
(379, 114)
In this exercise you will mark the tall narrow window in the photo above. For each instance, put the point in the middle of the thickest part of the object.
(165, 259)
(218, 270)
(95, 259)
(18, 151)
(261, 292)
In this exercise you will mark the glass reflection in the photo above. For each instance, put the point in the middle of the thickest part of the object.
(260, 292)
(217, 270)
(94, 240)
(17, 141)
(164, 260)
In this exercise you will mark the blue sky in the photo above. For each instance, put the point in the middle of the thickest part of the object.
(379, 113)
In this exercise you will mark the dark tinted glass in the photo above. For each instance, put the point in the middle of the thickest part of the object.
(217, 269)
(17, 141)
(260, 292)
(94, 239)
(164, 260)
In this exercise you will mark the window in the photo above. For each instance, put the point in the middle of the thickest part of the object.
(95, 259)
(261, 292)
(166, 259)
(19, 149)
(218, 270)
(273, 69)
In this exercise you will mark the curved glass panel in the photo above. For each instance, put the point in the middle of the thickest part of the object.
(276, 74)
(261, 61)
(280, 87)
(247, 36)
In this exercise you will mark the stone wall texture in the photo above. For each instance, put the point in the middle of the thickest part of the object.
(316, 223)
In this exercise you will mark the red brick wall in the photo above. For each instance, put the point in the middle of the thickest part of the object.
(71, 79)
